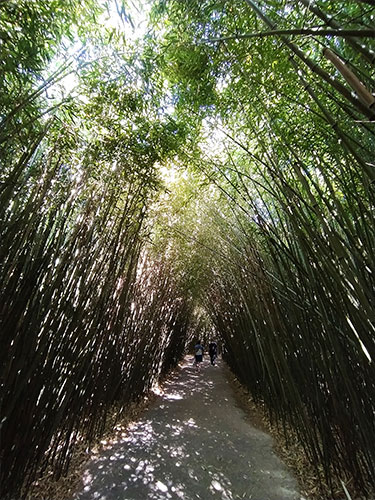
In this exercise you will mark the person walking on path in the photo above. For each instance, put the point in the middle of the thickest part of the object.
(199, 350)
(212, 351)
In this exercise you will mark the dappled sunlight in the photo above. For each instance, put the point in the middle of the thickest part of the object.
(194, 443)
(173, 396)
(173, 169)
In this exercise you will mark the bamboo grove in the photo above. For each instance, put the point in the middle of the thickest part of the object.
(266, 111)
(89, 317)
(289, 240)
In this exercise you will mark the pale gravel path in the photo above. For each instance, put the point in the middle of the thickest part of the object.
(193, 443)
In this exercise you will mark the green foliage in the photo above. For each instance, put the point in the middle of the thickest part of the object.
(288, 271)
(79, 293)
(199, 176)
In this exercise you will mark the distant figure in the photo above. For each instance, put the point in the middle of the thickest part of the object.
(212, 351)
(199, 350)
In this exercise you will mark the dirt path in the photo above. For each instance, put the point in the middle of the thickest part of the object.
(194, 443)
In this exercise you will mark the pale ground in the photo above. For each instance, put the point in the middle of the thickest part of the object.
(193, 443)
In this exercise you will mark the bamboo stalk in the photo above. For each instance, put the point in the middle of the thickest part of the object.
(368, 54)
(362, 92)
(313, 66)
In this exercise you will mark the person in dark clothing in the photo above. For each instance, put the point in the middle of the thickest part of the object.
(212, 351)
(198, 350)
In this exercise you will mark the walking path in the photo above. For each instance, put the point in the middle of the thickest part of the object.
(193, 443)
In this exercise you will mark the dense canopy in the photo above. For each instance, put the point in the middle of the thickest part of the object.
(178, 168)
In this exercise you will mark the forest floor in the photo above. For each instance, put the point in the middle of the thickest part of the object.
(193, 442)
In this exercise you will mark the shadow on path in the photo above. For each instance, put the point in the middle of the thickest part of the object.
(194, 443)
